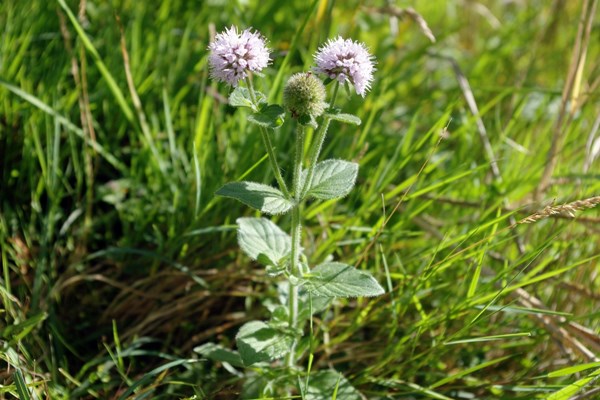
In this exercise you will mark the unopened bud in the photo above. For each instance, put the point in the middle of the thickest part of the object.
(304, 96)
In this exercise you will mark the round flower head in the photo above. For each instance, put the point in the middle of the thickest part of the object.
(346, 61)
(304, 95)
(233, 54)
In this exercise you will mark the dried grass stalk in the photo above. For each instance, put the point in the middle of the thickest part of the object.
(564, 210)
(410, 13)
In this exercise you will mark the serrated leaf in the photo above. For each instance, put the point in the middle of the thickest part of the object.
(262, 240)
(333, 179)
(345, 118)
(264, 198)
(259, 342)
(323, 384)
(217, 352)
(271, 116)
(334, 279)
(240, 97)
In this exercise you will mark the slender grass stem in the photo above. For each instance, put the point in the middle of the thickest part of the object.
(296, 239)
(269, 145)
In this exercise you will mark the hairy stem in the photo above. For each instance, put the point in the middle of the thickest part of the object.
(317, 144)
(295, 269)
(268, 145)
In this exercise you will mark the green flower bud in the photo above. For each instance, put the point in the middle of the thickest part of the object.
(304, 96)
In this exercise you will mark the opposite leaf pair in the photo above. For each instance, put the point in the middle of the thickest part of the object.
(265, 242)
(332, 179)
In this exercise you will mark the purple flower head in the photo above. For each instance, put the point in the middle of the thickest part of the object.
(346, 61)
(233, 54)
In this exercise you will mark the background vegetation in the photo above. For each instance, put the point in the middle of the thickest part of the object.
(117, 259)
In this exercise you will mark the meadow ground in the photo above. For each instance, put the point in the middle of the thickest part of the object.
(118, 260)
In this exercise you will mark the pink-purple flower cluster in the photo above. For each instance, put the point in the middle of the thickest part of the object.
(346, 61)
(233, 54)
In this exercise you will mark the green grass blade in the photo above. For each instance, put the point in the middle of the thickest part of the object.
(148, 376)
(572, 370)
(468, 371)
(490, 338)
(110, 80)
(568, 391)
(283, 68)
(64, 121)
(22, 389)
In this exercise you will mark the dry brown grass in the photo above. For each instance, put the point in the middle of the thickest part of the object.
(565, 210)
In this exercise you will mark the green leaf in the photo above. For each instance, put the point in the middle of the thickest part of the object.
(148, 376)
(100, 65)
(310, 305)
(259, 342)
(270, 116)
(21, 385)
(264, 198)
(308, 120)
(217, 352)
(345, 118)
(333, 179)
(336, 279)
(254, 386)
(240, 97)
(572, 370)
(570, 390)
(18, 331)
(328, 385)
(262, 240)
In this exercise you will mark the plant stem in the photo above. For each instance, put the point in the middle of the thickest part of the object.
(334, 95)
(268, 145)
(296, 240)
(317, 144)
(252, 93)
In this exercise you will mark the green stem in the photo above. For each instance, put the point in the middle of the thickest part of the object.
(317, 144)
(269, 145)
(252, 93)
(274, 166)
(299, 154)
(296, 240)
(335, 92)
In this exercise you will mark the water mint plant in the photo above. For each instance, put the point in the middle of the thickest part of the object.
(308, 288)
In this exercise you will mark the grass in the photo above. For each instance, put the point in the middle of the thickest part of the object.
(117, 259)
